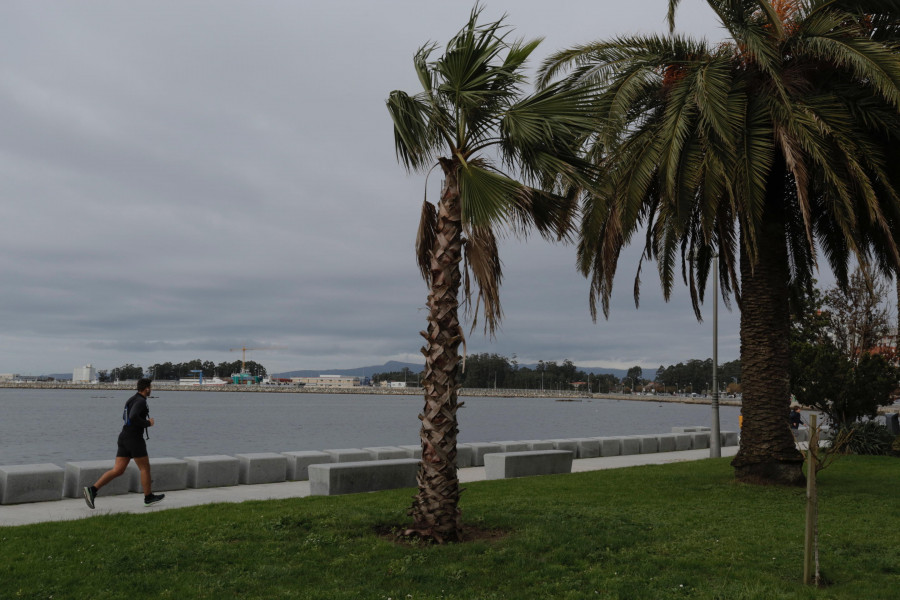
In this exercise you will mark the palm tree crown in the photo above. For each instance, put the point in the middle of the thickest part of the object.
(760, 152)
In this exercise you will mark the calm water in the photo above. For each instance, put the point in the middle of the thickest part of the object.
(58, 426)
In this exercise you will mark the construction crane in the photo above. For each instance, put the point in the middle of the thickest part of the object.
(244, 350)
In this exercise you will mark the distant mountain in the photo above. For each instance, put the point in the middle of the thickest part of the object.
(387, 367)
(395, 366)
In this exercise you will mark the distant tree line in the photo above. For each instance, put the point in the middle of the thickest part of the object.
(171, 371)
(496, 371)
(695, 376)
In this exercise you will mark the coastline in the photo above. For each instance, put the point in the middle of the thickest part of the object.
(563, 396)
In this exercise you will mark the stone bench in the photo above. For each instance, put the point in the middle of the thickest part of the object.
(31, 483)
(729, 438)
(387, 452)
(298, 463)
(629, 445)
(364, 476)
(479, 449)
(81, 474)
(666, 442)
(415, 451)
(588, 447)
(609, 446)
(512, 446)
(218, 470)
(166, 473)
(340, 455)
(505, 465)
(699, 440)
(261, 467)
(567, 445)
(540, 444)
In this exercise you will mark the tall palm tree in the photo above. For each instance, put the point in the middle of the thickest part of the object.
(760, 152)
(510, 162)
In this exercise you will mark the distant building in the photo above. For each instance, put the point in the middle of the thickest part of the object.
(85, 374)
(327, 381)
(8, 376)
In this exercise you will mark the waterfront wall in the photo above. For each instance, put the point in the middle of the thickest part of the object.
(562, 395)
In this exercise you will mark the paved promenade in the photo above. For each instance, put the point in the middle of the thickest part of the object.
(75, 508)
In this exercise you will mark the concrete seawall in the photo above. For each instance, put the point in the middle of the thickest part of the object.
(568, 396)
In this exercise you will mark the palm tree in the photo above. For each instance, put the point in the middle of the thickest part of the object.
(470, 117)
(760, 152)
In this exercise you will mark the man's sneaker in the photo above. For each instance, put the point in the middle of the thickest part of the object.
(153, 499)
(89, 494)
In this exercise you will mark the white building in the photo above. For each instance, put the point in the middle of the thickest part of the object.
(85, 374)
(327, 381)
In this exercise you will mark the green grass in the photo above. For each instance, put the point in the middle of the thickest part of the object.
(675, 531)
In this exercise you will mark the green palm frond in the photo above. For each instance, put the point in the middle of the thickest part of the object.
(414, 138)
(486, 195)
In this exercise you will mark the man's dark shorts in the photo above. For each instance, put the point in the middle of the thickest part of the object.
(132, 446)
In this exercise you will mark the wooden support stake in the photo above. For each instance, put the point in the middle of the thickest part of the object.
(812, 461)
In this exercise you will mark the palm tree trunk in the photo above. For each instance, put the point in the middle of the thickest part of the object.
(768, 453)
(435, 510)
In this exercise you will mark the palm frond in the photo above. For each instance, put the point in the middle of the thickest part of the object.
(482, 259)
(425, 239)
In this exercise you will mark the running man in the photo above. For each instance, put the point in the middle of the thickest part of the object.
(132, 445)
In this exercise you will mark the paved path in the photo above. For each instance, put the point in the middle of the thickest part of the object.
(75, 508)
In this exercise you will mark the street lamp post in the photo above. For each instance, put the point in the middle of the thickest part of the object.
(715, 444)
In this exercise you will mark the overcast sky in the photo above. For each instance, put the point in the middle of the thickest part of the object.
(180, 178)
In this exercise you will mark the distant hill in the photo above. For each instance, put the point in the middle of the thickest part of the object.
(387, 367)
(393, 366)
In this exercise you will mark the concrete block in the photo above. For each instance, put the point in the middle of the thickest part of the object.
(262, 467)
(167, 473)
(629, 445)
(512, 446)
(729, 438)
(567, 445)
(479, 449)
(415, 451)
(340, 455)
(648, 444)
(217, 470)
(463, 456)
(682, 441)
(540, 445)
(299, 461)
(31, 483)
(84, 473)
(366, 476)
(610, 446)
(386, 452)
(504, 465)
(700, 440)
(666, 442)
(588, 447)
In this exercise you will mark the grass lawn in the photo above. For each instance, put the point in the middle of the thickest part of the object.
(674, 531)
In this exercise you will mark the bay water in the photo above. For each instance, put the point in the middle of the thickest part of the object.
(59, 426)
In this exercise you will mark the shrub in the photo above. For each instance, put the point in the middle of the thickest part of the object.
(866, 437)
